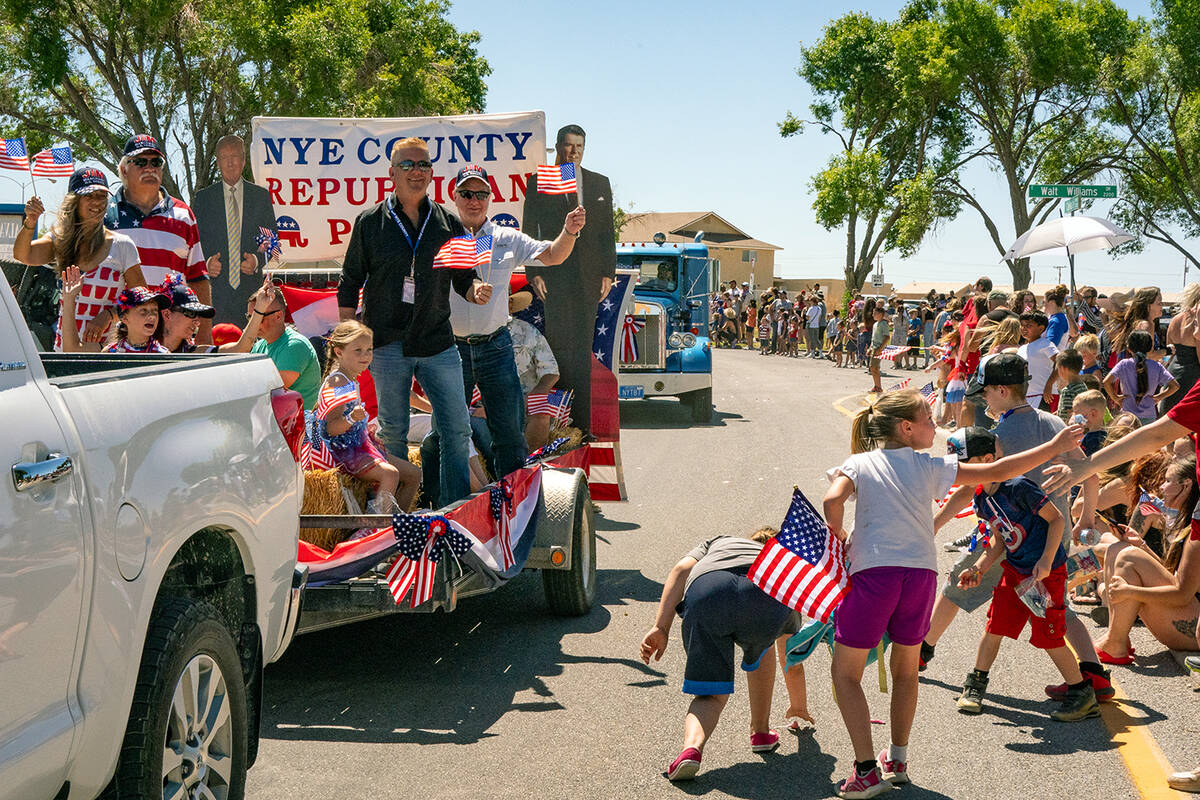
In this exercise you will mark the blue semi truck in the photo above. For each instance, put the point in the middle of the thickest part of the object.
(670, 298)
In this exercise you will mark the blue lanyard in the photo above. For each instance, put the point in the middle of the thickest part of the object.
(1006, 414)
(413, 265)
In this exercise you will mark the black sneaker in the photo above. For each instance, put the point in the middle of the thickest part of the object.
(926, 656)
(1078, 704)
(974, 687)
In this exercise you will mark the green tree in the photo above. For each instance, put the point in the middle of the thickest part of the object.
(1154, 98)
(882, 90)
(190, 71)
(1030, 76)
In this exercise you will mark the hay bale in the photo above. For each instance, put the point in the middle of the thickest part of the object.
(574, 437)
(323, 495)
(414, 455)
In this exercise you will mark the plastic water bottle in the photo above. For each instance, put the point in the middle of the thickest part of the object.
(1089, 537)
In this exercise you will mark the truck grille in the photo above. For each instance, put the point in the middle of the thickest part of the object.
(651, 343)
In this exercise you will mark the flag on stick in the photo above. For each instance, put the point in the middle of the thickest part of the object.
(13, 154)
(556, 179)
(464, 252)
(803, 566)
(929, 393)
(53, 163)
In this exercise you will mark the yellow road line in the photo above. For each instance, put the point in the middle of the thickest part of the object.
(858, 397)
(1148, 767)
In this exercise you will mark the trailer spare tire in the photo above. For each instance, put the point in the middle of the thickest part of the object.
(571, 592)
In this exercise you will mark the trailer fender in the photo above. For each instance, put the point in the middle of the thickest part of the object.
(552, 543)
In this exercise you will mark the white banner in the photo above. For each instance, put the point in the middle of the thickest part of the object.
(323, 172)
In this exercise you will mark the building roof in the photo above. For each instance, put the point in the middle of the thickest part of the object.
(680, 226)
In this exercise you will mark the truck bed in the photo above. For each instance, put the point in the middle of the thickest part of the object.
(70, 369)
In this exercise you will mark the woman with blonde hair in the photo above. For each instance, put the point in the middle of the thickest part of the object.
(108, 262)
(1183, 337)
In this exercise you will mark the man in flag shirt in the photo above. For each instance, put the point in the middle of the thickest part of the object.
(481, 331)
(163, 227)
(571, 295)
(406, 303)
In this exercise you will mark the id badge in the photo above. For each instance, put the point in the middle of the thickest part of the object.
(410, 291)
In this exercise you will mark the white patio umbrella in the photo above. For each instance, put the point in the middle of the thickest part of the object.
(1077, 234)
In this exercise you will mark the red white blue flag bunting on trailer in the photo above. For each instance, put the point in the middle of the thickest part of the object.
(629, 331)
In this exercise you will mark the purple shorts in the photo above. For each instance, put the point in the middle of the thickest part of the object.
(898, 600)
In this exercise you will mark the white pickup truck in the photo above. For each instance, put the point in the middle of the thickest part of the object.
(148, 531)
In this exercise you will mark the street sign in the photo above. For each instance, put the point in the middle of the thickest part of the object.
(1037, 190)
(1071, 204)
(877, 279)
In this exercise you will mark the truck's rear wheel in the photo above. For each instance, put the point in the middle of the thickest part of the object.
(700, 403)
(571, 592)
(187, 733)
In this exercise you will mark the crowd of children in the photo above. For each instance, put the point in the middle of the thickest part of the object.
(1122, 537)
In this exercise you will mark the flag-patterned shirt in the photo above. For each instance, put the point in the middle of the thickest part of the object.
(101, 284)
(167, 238)
(123, 346)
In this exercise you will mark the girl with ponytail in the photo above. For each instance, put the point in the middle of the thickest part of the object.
(893, 561)
(1138, 382)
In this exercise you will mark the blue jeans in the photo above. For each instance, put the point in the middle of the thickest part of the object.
(492, 367)
(440, 377)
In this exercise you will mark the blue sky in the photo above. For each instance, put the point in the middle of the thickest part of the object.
(681, 102)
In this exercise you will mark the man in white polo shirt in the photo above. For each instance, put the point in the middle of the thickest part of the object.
(481, 331)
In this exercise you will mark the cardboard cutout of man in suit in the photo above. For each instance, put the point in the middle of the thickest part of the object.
(573, 290)
(233, 198)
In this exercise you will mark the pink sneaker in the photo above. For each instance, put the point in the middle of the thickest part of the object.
(894, 772)
(764, 742)
(859, 787)
(685, 766)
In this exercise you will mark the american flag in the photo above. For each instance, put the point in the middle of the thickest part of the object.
(423, 540)
(556, 179)
(546, 451)
(54, 163)
(464, 252)
(556, 404)
(901, 385)
(929, 393)
(13, 154)
(803, 566)
(892, 350)
(962, 514)
(500, 502)
(604, 339)
(1149, 504)
(268, 242)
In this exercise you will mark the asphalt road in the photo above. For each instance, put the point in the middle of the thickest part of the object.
(501, 700)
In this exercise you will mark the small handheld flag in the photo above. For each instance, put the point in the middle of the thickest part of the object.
(464, 252)
(556, 179)
(13, 154)
(803, 566)
(268, 242)
(53, 163)
(929, 393)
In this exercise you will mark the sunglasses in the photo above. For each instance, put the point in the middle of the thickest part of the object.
(188, 314)
(408, 165)
(481, 194)
(142, 163)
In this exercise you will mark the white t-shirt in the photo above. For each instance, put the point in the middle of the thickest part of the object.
(510, 249)
(893, 516)
(814, 316)
(1039, 355)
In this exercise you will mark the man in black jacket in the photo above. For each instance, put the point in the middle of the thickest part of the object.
(407, 306)
(572, 294)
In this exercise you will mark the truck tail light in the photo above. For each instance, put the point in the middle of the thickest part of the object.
(289, 413)
(695, 331)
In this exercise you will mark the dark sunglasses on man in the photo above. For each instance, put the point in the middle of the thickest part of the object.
(479, 194)
(142, 163)
(408, 165)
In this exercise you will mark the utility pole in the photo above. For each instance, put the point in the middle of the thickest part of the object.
(1060, 269)
(1185, 271)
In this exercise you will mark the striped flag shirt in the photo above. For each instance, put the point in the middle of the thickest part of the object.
(464, 252)
(804, 565)
(54, 163)
(167, 238)
(556, 179)
(13, 154)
